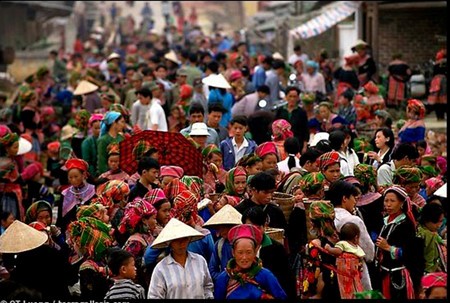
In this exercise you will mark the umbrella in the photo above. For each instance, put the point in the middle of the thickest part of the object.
(173, 148)
(442, 191)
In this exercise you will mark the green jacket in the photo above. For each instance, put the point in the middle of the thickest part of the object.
(102, 153)
(431, 251)
(89, 153)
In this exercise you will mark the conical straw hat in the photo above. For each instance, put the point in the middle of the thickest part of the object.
(172, 57)
(85, 87)
(24, 146)
(216, 81)
(175, 229)
(20, 237)
(442, 191)
(278, 56)
(113, 56)
(226, 215)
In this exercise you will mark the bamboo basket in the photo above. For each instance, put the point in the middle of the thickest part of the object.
(285, 202)
(276, 234)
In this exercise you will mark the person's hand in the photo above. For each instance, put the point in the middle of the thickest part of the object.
(54, 231)
(382, 243)
(374, 156)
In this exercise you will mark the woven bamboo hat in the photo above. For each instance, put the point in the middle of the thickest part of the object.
(85, 87)
(174, 230)
(20, 237)
(216, 81)
(226, 215)
(278, 56)
(172, 57)
(113, 56)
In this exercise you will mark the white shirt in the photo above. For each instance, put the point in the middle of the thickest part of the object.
(342, 216)
(315, 82)
(348, 162)
(283, 165)
(170, 280)
(239, 152)
(156, 115)
(385, 173)
(139, 114)
(294, 58)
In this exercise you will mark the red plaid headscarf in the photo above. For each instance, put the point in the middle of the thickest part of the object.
(185, 206)
(91, 210)
(114, 189)
(195, 185)
(417, 107)
(328, 159)
(434, 183)
(155, 195)
(266, 148)
(77, 163)
(435, 279)
(134, 212)
(371, 87)
(281, 130)
(174, 188)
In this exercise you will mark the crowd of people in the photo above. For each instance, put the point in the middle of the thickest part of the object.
(333, 194)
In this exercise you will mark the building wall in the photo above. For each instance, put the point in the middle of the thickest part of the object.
(412, 33)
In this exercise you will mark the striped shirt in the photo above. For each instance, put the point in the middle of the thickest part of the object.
(170, 280)
(125, 289)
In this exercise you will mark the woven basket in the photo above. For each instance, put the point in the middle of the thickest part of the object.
(276, 234)
(285, 202)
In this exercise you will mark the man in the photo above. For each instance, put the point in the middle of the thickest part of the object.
(193, 72)
(199, 133)
(298, 55)
(131, 96)
(197, 114)
(156, 118)
(404, 154)
(273, 80)
(140, 108)
(259, 77)
(249, 103)
(161, 76)
(199, 96)
(174, 95)
(215, 112)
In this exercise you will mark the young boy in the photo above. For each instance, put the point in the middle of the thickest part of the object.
(262, 187)
(114, 172)
(148, 169)
(121, 265)
(234, 148)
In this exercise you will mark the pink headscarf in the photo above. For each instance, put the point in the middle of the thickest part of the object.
(281, 130)
(441, 163)
(95, 117)
(434, 183)
(266, 148)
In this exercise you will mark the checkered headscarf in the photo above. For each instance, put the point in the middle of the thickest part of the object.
(366, 174)
(417, 107)
(229, 182)
(328, 159)
(134, 212)
(174, 188)
(34, 210)
(195, 185)
(114, 189)
(311, 183)
(407, 174)
(185, 206)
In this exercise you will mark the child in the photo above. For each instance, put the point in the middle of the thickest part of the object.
(349, 261)
(268, 153)
(234, 148)
(252, 164)
(148, 168)
(434, 286)
(114, 173)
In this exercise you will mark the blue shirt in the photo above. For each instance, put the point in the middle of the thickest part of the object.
(226, 99)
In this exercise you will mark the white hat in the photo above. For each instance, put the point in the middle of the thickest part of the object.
(318, 137)
(226, 215)
(278, 56)
(199, 129)
(216, 81)
(85, 87)
(113, 56)
(358, 43)
(24, 146)
(67, 132)
(172, 57)
(175, 229)
(442, 191)
(20, 237)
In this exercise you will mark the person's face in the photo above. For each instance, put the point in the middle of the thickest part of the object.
(292, 98)
(378, 121)
(163, 215)
(129, 75)
(13, 149)
(156, 92)
(150, 222)
(214, 118)
(421, 151)
(120, 124)
(179, 246)
(144, 100)
(438, 293)
(181, 80)
(240, 183)
(392, 203)
(269, 161)
(128, 271)
(412, 189)
(254, 169)
(216, 159)
(262, 196)
(324, 112)
(175, 113)
(76, 177)
(105, 103)
(349, 203)
(161, 73)
(96, 128)
(332, 172)
(239, 130)
(200, 140)
(44, 217)
(6, 223)
(343, 101)
(222, 230)
(311, 166)
(166, 180)
(221, 203)
(151, 174)
(381, 140)
(310, 70)
(113, 162)
(197, 117)
(244, 252)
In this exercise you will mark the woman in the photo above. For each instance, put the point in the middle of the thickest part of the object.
(438, 88)
(292, 161)
(366, 65)
(81, 123)
(251, 163)
(281, 130)
(339, 142)
(169, 172)
(245, 277)
(399, 75)
(343, 195)
(268, 153)
(214, 175)
(111, 130)
(31, 119)
(236, 183)
(328, 119)
(399, 261)
(414, 128)
(313, 79)
(182, 274)
(89, 144)
(409, 178)
(330, 166)
(384, 143)
(373, 100)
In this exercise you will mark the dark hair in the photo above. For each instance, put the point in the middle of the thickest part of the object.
(4, 215)
(311, 155)
(268, 60)
(324, 146)
(256, 215)
(349, 231)
(117, 258)
(348, 94)
(196, 108)
(248, 160)
(297, 47)
(405, 150)
(431, 212)
(292, 147)
(145, 92)
(161, 66)
(291, 88)
(277, 63)
(340, 189)
(263, 89)
(54, 53)
(263, 181)
(336, 139)
(147, 163)
(240, 120)
(216, 107)
(422, 143)
(389, 134)
(213, 66)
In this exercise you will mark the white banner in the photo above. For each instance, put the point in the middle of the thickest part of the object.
(330, 17)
